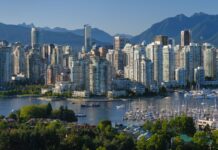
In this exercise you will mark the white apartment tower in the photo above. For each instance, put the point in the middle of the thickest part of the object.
(18, 60)
(168, 63)
(187, 62)
(146, 72)
(156, 56)
(209, 60)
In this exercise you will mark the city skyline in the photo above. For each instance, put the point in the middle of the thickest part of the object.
(136, 17)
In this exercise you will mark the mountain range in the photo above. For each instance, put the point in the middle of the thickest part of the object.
(204, 28)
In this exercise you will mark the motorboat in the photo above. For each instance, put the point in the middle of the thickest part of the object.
(211, 96)
(120, 106)
(80, 115)
(90, 105)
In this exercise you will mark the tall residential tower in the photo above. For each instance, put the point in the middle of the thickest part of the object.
(185, 37)
(87, 37)
(34, 38)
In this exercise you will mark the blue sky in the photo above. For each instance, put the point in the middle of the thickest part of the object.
(113, 16)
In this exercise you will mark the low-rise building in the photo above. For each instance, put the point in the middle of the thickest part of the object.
(61, 87)
(82, 94)
(46, 90)
(18, 77)
(117, 93)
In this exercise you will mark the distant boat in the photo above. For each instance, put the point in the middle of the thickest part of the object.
(90, 105)
(211, 96)
(181, 91)
(124, 99)
(120, 106)
(80, 115)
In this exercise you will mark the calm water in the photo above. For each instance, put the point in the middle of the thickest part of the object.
(108, 110)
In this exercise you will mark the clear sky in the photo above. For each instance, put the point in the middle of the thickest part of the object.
(113, 16)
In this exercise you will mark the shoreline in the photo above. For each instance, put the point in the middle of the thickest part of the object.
(91, 99)
(19, 96)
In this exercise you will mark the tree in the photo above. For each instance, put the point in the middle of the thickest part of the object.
(156, 126)
(162, 90)
(73, 141)
(215, 139)
(33, 111)
(13, 116)
(141, 144)
(202, 139)
(156, 142)
(104, 125)
(2, 117)
(183, 124)
(148, 125)
(187, 125)
(123, 142)
(101, 148)
(49, 109)
(64, 114)
(3, 125)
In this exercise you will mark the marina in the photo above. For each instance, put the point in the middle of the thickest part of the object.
(201, 105)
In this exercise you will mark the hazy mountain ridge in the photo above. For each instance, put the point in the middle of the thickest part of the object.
(21, 33)
(204, 28)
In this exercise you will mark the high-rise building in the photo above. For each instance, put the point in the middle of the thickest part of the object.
(5, 64)
(199, 77)
(161, 39)
(180, 76)
(49, 76)
(118, 60)
(33, 66)
(171, 41)
(128, 51)
(100, 76)
(187, 62)
(92, 73)
(209, 60)
(46, 53)
(168, 63)
(77, 74)
(146, 72)
(132, 61)
(216, 64)
(120, 42)
(137, 62)
(35, 38)
(177, 51)
(18, 59)
(102, 52)
(188, 57)
(110, 56)
(156, 56)
(185, 37)
(197, 54)
(67, 52)
(59, 56)
(87, 37)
